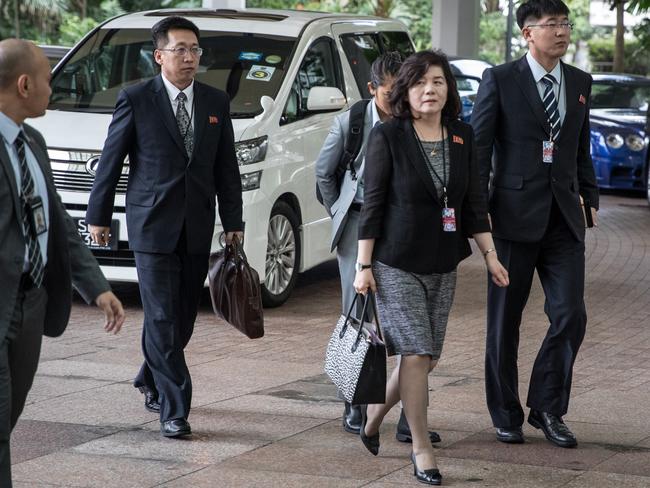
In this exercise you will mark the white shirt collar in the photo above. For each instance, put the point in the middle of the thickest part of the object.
(8, 129)
(375, 112)
(539, 71)
(173, 91)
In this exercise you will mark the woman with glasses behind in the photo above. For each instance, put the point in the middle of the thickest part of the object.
(422, 201)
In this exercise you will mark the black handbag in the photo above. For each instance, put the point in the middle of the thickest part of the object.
(355, 359)
(235, 290)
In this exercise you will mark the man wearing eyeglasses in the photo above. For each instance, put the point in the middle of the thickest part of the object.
(531, 120)
(178, 136)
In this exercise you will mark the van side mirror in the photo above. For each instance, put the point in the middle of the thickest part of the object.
(325, 98)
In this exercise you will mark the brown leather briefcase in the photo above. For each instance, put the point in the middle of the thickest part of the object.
(235, 290)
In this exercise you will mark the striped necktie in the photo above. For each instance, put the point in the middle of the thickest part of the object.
(27, 187)
(551, 106)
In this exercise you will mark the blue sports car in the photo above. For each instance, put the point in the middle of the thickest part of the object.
(619, 132)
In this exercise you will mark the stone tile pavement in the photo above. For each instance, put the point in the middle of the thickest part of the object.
(264, 414)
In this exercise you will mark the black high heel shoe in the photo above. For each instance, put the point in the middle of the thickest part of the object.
(427, 476)
(371, 442)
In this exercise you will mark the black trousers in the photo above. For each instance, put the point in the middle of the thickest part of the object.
(560, 262)
(19, 353)
(170, 288)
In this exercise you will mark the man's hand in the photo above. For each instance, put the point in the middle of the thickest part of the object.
(100, 235)
(113, 311)
(238, 233)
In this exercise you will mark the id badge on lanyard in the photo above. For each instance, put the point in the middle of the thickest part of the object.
(448, 216)
(547, 152)
(36, 213)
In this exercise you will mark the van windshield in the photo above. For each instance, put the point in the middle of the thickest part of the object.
(246, 66)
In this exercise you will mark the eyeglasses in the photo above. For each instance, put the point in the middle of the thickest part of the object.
(554, 26)
(181, 52)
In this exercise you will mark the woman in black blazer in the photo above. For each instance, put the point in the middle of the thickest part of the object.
(422, 201)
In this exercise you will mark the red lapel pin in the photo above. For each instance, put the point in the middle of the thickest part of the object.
(213, 119)
(458, 140)
(582, 99)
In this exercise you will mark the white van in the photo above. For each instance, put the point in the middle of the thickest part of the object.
(287, 73)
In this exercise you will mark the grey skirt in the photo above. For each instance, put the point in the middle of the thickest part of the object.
(413, 309)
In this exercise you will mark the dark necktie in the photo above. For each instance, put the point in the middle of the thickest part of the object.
(27, 187)
(551, 106)
(185, 124)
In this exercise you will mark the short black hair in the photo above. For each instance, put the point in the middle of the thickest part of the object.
(160, 30)
(412, 70)
(539, 8)
(386, 65)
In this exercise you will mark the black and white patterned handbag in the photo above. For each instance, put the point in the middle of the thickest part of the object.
(355, 359)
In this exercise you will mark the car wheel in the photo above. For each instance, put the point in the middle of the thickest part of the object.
(282, 255)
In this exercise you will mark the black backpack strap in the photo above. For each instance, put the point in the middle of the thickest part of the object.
(353, 143)
(354, 138)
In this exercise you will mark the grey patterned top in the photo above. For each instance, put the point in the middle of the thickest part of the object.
(435, 161)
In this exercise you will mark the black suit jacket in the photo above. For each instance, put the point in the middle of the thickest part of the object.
(166, 189)
(69, 261)
(509, 119)
(401, 208)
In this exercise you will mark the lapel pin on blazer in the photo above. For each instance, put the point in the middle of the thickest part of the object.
(458, 140)
(213, 119)
(582, 99)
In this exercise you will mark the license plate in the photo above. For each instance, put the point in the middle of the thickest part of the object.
(82, 228)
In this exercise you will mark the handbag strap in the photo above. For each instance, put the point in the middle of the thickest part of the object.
(236, 247)
(347, 316)
(368, 298)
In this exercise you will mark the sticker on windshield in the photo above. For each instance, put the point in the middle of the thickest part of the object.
(273, 59)
(250, 56)
(260, 73)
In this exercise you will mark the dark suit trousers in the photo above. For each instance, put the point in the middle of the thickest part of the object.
(19, 353)
(170, 288)
(560, 262)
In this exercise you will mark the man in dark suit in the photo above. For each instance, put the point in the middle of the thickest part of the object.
(42, 255)
(533, 114)
(179, 139)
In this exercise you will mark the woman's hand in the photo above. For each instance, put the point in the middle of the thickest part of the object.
(364, 280)
(496, 269)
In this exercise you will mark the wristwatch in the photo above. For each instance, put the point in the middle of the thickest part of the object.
(361, 267)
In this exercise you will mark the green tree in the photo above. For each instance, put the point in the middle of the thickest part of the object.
(74, 28)
(635, 6)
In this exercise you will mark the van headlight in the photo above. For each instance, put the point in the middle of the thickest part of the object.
(251, 181)
(635, 142)
(614, 140)
(252, 150)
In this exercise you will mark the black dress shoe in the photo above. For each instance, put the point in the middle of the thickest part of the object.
(352, 418)
(175, 428)
(427, 476)
(403, 433)
(371, 442)
(510, 435)
(150, 399)
(553, 427)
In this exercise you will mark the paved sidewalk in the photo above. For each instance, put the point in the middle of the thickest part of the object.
(264, 413)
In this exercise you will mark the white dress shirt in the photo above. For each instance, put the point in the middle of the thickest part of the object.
(173, 91)
(9, 132)
(559, 87)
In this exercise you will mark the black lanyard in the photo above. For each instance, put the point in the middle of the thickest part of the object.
(443, 181)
